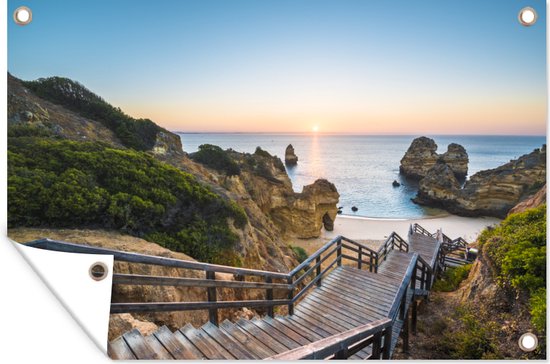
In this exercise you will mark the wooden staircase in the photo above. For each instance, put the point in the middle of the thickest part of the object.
(335, 310)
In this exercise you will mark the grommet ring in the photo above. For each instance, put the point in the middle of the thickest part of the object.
(98, 271)
(527, 16)
(22, 15)
(528, 342)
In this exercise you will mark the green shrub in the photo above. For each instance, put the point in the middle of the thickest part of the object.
(216, 158)
(299, 253)
(139, 134)
(60, 183)
(517, 249)
(451, 278)
(475, 340)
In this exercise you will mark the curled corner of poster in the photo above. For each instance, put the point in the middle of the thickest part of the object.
(67, 276)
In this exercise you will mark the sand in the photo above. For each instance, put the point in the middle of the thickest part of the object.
(373, 231)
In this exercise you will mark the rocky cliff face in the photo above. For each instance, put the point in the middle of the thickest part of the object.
(488, 193)
(531, 202)
(264, 182)
(422, 156)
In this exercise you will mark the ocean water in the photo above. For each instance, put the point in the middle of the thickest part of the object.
(364, 167)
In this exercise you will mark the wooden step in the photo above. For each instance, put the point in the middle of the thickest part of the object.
(207, 346)
(178, 349)
(138, 345)
(119, 350)
(229, 343)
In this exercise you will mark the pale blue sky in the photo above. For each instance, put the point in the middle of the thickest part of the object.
(369, 66)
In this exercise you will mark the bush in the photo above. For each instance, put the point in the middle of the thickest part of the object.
(475, 339)
(517, 249)
(60, 183)
(216, 158)
(299, 253)
(451, 278)
(139, 134)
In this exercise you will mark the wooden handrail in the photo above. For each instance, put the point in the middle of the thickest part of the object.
(338, 346)
(62, 246)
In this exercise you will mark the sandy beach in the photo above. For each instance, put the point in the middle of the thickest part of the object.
(373, 231)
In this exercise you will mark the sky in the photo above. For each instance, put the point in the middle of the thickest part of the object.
(336, 66)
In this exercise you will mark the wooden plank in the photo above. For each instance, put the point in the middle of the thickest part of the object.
(275, 334)
(319, 329)
(209, 347)
(253, 345)
(119, 350)
(351, 306)
(362, 297)
(139, 346)
(381, 299)
(353, 303)
(188, 345)
(367, 286)
(330, 314)
(296, 327)
(143, 280)
(174, 346)
(162, 353)
(305, 312)
(261, 335)
(228, 343)
(296, 336)
(190, 306)
(328, 346)
(351, 313)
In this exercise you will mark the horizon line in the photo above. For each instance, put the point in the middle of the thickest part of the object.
(350, 133)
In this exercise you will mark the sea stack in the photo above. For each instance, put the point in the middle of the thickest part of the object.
(290, 158)
(421, 157)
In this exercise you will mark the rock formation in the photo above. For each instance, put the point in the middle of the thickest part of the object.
(422, 156)
(290, 158)
(264, 182)
(488, 193)
(531, 202)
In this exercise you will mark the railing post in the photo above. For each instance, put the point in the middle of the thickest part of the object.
(318, 270)
(212, 297)
(413, 315)
(413, 278)
(371, 262)
(376, 264)
(342, 354)
(429, 281)
(402, 312)
(376, 344)
(423, 278)
(339, 253)
(387, 344)
(406, 333)
(269, 296)
(360, 260)
(290, 296)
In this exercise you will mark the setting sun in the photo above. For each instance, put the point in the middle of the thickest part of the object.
(315, 128)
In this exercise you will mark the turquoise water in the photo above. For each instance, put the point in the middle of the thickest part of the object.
(364, 167)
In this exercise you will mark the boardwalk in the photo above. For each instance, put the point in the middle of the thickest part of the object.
(346, 312)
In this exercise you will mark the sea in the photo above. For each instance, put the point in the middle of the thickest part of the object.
(363, 167)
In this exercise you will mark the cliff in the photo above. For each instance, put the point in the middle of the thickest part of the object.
(422, 156)
(491, 192)
(263, 187)
(290, 157)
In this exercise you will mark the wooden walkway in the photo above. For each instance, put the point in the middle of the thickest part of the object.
(339, 311)
(347, 298)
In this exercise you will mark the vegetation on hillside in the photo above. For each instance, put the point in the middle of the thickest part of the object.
(60, 183)
(139, 134)
(300, 253)
(451, 278)
(517, 249)
(216, 158)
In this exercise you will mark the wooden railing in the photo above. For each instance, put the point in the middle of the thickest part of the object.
(343, 345)
(416, 228)
(295, 283)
